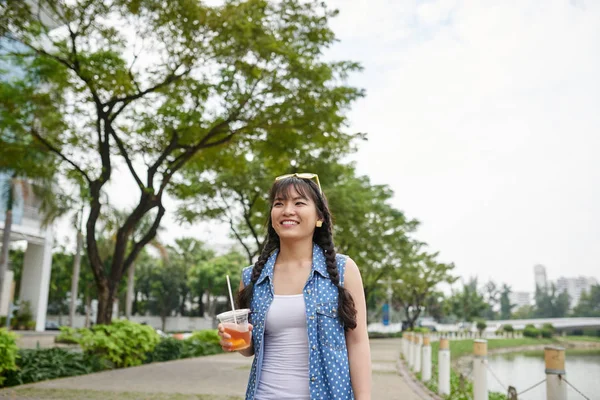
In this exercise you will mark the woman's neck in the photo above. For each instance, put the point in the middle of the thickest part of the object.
(295, 252)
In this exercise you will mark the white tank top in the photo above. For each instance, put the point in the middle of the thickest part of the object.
(284, 373)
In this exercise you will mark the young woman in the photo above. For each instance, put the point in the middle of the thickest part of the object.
(308, 310)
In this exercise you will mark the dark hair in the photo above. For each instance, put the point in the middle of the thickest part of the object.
(322, 236)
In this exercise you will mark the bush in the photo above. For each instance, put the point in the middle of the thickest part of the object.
(8, 353)
(531, 331)
(481, 326)
(36, 365)
(549, 327)
(122, 343)
(202, 343)
(386, 335)
(166, 350)
(546, 333)
(508, 328)
(23, 318)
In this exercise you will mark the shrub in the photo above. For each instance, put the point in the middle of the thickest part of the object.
(481, 326)
(508, 328)
(166, 350)
(549, 327)
(546, 333)
(8, 353)
(122, 343)
(202, 343)
(36, 365)
(23, 318)
(531, 331)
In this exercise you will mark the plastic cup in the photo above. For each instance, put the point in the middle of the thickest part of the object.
(237, 328)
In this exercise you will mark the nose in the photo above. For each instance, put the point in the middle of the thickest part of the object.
(288, 209)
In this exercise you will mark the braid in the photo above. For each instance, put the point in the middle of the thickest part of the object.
(244, 297)
(324, 238)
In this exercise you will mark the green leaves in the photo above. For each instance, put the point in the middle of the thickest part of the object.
(122, 344)
(8, 353)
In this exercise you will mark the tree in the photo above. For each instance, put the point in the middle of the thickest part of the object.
(187, 253)
(550, 304)
(366, 227)
(208, 278)
(589, 303)
(524, 312)
(491, 296)
(468, 304)
(505, 306)
(419, 275)
(242, 73)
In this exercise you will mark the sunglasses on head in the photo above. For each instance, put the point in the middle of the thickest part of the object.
(302, 176)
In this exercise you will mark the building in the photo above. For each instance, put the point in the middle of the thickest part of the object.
(35, 279)
(541, 281)
(27, 223)
(520, 299)
(575, 287)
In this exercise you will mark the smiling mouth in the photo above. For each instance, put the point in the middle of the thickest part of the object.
(289, 223)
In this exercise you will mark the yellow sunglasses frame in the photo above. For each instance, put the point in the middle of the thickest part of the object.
(302, 175)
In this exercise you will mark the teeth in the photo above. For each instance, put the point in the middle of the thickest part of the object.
(289, 223)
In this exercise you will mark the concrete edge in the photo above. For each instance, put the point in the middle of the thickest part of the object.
(415, 384)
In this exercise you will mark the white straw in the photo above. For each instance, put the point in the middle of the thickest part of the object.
(231, 298)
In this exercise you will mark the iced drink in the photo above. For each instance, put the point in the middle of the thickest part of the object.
(237, 328)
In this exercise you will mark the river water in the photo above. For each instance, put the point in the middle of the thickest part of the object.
(523, 370)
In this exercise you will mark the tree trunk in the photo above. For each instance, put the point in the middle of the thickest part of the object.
(5, 247)
(75, 277)
(182, 304)
(88, 309)
(163, 320)
(130, 289)
(200, 306)
(106, 299)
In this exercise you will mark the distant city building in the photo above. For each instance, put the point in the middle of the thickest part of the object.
(540, 277)
(520, 299)
(575, 287)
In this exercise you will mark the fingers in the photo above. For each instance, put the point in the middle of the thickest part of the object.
(224, 343)
(250, 327)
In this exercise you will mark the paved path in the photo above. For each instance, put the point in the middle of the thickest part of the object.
(216, 376)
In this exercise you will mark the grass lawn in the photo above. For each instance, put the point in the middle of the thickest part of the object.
(580, 338)
(67, 394)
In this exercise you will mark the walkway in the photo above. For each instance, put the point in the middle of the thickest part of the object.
(220, 377)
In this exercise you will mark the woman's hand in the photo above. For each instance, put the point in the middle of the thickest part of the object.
(224, 342)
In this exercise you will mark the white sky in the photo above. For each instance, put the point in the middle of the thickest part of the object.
(484, 118)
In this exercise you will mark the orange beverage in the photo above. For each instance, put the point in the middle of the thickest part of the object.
(240, 335)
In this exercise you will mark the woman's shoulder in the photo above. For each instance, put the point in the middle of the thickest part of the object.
(247, 274)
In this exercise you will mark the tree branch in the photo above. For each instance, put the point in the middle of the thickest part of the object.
(128, 99)
(138, 246)
(166, 152)
(125, 155)
(53, 149)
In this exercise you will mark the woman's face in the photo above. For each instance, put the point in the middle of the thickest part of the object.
(293, 215)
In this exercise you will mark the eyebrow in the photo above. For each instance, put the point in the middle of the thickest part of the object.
(294, 199)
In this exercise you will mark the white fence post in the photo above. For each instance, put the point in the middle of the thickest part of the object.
(417, 366)
(444, 367)
(426, 360)
(556, 387)
(480, 387)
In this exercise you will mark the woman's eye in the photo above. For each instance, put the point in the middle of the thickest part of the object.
(300, 203)
(277, 204)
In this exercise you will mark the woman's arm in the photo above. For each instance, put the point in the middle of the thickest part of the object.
(357, 340)
(226, 346)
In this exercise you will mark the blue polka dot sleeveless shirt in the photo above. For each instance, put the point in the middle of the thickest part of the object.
(329, 372)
